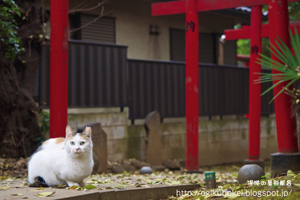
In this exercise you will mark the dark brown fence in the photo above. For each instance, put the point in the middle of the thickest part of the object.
(158, 85)
(97, 75)
(100, 75)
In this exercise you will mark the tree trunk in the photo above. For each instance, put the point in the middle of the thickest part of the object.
(18, 122)
(19, 130)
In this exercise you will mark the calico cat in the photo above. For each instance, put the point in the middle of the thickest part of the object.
(65, 161)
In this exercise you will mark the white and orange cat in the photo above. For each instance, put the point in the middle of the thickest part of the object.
(65, 161)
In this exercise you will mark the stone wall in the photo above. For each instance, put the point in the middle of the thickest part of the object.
(220, 140)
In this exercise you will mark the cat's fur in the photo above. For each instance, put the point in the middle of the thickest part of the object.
(65, 161)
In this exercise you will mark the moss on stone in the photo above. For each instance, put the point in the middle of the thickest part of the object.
(178, 152)
(269, 126)
(134, 141)
(243, 134)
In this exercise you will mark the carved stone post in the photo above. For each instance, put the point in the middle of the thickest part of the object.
(99, 139)
(153, 146)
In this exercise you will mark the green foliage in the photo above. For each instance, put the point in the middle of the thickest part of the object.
(294, 10)
(264, 8)
(243, 46)
(8, 29)
(265, 43)
(44, 119)
(288, 68)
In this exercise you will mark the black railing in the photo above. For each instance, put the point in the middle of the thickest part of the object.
(156, 86)
(100, 75)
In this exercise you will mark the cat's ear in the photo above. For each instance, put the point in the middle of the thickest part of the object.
(87, 132)
(69, 131)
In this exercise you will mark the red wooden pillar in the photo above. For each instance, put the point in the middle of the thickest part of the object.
(192, 85)
(255, 89)
(58, 67)
(285, 123)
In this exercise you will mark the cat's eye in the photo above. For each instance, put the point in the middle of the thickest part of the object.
(72, 143)
(82, 143)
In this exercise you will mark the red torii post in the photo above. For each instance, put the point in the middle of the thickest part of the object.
(288, 157)
(192, 85)
(255, 89)
(58, 67)
(255, 33)
(177, 7)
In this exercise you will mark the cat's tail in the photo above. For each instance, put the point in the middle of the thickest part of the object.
(38, 182)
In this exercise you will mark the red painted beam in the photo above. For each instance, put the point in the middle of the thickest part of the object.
(192, 85)
(236, 34)
(168, 8)
(206, 5)
(265, 29)
(58, 67)
(179, 7)
(244, 32)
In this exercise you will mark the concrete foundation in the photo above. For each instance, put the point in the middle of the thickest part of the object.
(282, 162)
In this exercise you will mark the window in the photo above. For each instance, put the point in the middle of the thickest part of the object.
(208, 47)
(102, 30)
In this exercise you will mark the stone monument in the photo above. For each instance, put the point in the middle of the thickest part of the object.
(99, 139)
(153, 145)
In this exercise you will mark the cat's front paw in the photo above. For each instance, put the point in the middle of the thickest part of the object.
(82, 184)
(70, 184)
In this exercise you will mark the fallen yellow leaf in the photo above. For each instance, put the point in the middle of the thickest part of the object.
(74, 187)
(45, 194)
(3, 178)
(40, 188)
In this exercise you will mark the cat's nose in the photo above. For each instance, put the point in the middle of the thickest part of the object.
(77, 150)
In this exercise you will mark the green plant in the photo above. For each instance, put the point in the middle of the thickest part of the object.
(243, 46)
(44, 118)
(8, 29)
(288, 68)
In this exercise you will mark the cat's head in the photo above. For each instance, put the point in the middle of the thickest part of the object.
(79, 144)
